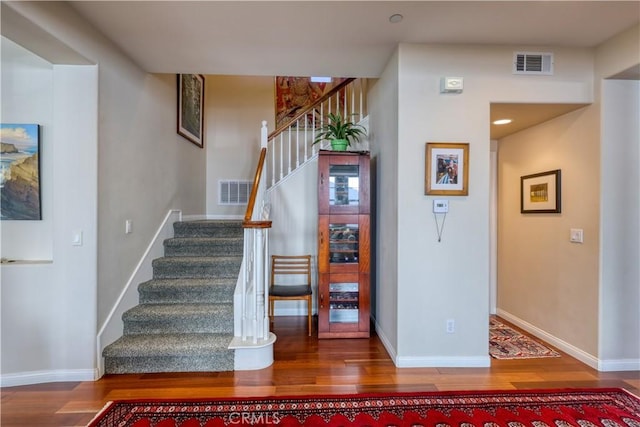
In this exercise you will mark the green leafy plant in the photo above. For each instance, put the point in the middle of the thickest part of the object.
(338, 128)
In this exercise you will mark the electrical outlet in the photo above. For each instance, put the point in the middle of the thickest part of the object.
(451, 326)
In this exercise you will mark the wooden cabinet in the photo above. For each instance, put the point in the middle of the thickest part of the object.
(343, 244)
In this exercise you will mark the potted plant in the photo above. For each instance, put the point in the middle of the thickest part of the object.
(340, 132)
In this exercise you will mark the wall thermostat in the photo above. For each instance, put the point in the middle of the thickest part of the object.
(451, 84)
(440, 206)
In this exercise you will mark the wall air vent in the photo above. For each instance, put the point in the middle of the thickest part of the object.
(234, 192)
(533, 63)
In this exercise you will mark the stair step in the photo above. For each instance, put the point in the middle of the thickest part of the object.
(169, 353)
(196, 267)
(178, 318)
(203, 246)
(208, 228)
(172, 291)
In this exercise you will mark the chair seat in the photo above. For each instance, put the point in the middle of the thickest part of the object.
(289, 290)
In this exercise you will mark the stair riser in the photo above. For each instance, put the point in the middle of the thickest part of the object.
(214, 362)
(199, 250)
(190, 324)
(213, 294)
(163, 268)
(214, 229)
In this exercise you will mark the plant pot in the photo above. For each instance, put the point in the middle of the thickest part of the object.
(339, 144)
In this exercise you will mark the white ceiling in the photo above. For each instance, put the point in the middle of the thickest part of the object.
(337, 38)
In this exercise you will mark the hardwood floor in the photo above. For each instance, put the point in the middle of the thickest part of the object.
(304, 365)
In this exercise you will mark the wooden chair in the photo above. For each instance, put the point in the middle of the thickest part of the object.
(281, 289)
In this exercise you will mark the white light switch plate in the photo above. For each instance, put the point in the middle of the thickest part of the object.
(576, 235)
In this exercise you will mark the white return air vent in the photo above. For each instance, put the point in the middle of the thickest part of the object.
(533, 63)
(234, 192)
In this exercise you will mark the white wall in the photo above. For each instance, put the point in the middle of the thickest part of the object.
(619, 343)
(294, 231)
(49, 309)
(450, 279)
(383, 133)
(27, 97)
(235, 107)
(544, 279)
(143, 169)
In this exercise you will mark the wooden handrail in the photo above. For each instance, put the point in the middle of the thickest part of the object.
(319, 101)
(248, 223)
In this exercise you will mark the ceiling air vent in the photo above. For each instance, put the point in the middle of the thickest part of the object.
(533, 63)
(234, 192)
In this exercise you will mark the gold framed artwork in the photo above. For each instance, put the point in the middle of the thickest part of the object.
(191, 107)
(540, 192)
(446, 169)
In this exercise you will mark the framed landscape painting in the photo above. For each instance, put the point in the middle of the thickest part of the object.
(20, 172)
(540, 192)
(447, 169)
(191, 107)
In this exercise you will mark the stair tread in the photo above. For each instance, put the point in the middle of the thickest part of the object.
(179, 240)
(183, 344)
(179, 310)
(196, 282)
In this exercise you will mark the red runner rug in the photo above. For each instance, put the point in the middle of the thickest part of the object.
(536, 408)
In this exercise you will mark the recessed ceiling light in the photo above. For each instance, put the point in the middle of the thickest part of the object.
(502, 122)
(395, 18)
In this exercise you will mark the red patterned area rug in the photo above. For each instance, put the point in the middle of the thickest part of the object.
(536, 408)
(507, 343)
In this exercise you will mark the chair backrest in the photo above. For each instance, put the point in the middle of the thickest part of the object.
(289, 265)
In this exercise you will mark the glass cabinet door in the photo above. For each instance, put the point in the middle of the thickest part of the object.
(344, 185)
(343, 302)
(343, 243)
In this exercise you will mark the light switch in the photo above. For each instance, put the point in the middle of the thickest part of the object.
(76, 238)
(128, 226)
(440, 206)
(576, 235)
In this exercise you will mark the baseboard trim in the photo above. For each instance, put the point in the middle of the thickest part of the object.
(430, 362)
(564, 346)
(443, 362)
(386, 343)
(613, 365)
(112, 328)
(39, 377)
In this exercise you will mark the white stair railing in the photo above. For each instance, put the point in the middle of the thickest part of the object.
(253, 323)
(290, 146)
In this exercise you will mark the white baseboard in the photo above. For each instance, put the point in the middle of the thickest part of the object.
(619, 365)
(431, 362)
(443, 362)
(39, 377)
(112, 328)
(564, 346)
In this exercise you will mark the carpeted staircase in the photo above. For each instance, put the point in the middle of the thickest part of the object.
(184, 322)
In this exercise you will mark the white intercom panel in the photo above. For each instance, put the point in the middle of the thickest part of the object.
(440, 206)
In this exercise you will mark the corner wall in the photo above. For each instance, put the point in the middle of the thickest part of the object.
(438, 281)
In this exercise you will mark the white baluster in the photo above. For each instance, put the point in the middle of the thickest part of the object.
(289, 149)
(298, 143)
(281, 156)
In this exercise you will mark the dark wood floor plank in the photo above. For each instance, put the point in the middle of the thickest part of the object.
(303, 366)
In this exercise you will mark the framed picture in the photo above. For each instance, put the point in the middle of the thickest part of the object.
(540, 192)
(20, 172)
(191, 107)
(295, 94)
(447, 169)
